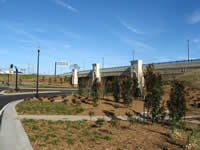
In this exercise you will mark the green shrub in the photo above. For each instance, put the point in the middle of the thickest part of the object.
(107, 138)
(116, 106)
(115, 122)
(70, 141)
(100, 122)
(91, 114)
(193, 140)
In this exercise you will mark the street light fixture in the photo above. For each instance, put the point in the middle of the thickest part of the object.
(38, 72)
(16, 84)
(188, 44)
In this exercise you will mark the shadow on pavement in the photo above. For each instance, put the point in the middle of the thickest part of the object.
(1, 116)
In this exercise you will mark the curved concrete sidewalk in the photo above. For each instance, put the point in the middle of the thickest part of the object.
(73, 117)
(12, 134)
(191, 119)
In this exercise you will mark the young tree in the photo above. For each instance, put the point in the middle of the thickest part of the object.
(116, 90)
(55, 80)
(152, 101)
(50, 80)
(66, 79)
(20, 81)
(126, 91)
(135, 89)
(177, 103)
(43, 78)
(96, 90)
(61, 80)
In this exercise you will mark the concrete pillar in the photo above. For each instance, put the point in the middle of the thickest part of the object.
(96, 74)
(75, 78)
(136, 68)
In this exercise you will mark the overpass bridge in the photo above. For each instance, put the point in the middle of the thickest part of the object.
(166, 69)
(173, 67)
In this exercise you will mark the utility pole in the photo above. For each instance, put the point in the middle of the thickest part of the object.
(133, 53)
(188, 43)
(55, 69)
(38, 72)
(103, 77)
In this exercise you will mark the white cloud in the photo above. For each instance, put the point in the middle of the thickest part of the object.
(66, 5)
(129, 27)
(135, 44)
(196, 40)
(24, 33)
(162, 59)
(194, 18)
(73, 35)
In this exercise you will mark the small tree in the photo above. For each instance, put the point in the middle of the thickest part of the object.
(126, 91)
(157, 111)
(116, 90)
(153, 83)
(66, 79)
(177, 103)
(96, 90)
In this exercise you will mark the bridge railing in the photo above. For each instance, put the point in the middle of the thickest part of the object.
(177, 61)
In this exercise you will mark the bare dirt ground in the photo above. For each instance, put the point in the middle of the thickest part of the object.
(82, 135)
(60, 135)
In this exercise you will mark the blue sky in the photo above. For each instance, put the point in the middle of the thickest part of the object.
(84, 31)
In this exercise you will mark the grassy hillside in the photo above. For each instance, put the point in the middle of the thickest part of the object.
(30, 80)
(191, 78)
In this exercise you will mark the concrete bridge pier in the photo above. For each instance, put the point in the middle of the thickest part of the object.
(75, 78)
(136, 69)
(96, 74)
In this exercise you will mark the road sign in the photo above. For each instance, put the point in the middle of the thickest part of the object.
(62, 63)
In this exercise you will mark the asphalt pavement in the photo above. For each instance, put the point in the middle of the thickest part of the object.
(5, 99)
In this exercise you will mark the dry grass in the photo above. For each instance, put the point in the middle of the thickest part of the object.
(82, 135)
(192, 78)
(47, 108)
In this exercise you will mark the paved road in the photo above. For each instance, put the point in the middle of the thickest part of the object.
(5, 99)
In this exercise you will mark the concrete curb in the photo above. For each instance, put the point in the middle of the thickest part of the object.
(12, 134)
(3, 93)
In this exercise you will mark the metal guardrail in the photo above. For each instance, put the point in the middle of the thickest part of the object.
(178, 61)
